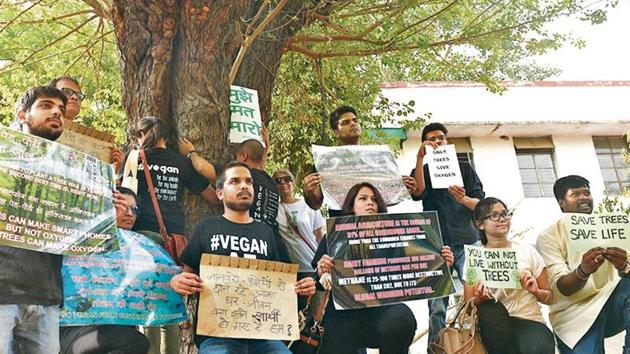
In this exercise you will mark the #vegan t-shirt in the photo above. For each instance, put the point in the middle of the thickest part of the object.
(171, 172)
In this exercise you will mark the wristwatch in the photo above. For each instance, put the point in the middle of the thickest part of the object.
(189, 154)
(626, 271)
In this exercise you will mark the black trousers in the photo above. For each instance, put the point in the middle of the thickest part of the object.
(503, 334)
(388, 328)
(104, 339)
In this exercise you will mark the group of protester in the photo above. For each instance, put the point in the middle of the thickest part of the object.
(588, 294)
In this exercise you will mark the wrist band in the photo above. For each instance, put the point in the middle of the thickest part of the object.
(189, 154)
(580, 273)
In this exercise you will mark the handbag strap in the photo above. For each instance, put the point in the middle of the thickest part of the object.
(322, 306)
(295, 229)
(156, 205)
(468, 346)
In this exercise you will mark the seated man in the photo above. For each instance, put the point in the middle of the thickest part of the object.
(235, 187)
(591, 290)
(108, 338)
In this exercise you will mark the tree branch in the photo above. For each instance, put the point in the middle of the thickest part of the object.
(247, 42)
(20, 15)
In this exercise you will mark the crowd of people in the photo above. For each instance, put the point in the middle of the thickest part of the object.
(588, 294)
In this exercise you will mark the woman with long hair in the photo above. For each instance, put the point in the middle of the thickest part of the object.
(510, 320)
(389, 328)
(170, 173)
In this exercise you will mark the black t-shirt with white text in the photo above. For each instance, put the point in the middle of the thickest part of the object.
(218, 235)
(171, 172)
(266, 198)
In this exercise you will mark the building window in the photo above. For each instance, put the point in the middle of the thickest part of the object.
(464, 150)
(615, 170)
(537, 172)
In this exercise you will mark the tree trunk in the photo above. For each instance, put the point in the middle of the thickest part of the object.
(176, 56)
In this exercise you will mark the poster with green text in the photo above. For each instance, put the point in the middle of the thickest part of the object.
(53, 198)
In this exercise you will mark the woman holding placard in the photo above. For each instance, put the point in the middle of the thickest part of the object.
(512, 323)
(389, 328)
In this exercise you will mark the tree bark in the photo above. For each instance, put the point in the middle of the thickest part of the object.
(176, 57)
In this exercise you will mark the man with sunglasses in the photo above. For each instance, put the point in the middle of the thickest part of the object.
(108, 338)
(592, 288)
(72, 90)
(454, 207)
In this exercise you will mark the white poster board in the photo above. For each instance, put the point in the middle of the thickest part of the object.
(444, 167)
(245, 121)
(493, 267)
(585, 231)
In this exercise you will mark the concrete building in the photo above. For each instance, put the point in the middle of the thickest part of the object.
(520, 142)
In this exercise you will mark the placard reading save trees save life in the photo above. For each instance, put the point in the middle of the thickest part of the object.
(585, 231)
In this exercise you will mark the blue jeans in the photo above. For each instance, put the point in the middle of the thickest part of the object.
(242, 346)
(614, 318)
(29, 329)
(438, 307)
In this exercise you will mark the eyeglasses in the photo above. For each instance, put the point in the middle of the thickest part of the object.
(69, 92)
(285, 179)
(437, 138)
(496, 217)
(133, 209)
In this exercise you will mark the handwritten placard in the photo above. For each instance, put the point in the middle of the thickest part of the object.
(247, 298)
(585, 231)
(444, 167)
(341, 167)
(53, 198)
(494, 267)
(87, 140)
(385, 259)
(245, 122)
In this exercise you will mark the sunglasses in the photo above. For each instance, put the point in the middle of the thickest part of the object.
(69, 92)
(133, 209)
(285, 179)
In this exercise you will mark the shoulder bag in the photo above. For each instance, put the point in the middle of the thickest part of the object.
(174, 244)
(461, 335)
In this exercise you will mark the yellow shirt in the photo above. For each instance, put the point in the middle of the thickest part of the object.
(572, 316)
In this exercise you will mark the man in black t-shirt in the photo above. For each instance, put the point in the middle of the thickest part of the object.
(235, 234)
(454, 206)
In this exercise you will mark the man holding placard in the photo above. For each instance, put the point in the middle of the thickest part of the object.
(454, 204)
(347, 127)
(591, 288)
(234, 234)
(30, 281)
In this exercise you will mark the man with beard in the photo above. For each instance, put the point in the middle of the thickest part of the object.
(591, 289)
(234, 234)
(30, 282)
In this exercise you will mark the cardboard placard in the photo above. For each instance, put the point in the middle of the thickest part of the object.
(87, 140)
(386, 259)
(247, 298)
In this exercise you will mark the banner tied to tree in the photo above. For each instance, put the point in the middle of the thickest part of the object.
(126, 287)
(585, 231)
(247, 298)
(341, 167)
(386, 259)
(493, 267)
(245, 121)
(53, 198)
